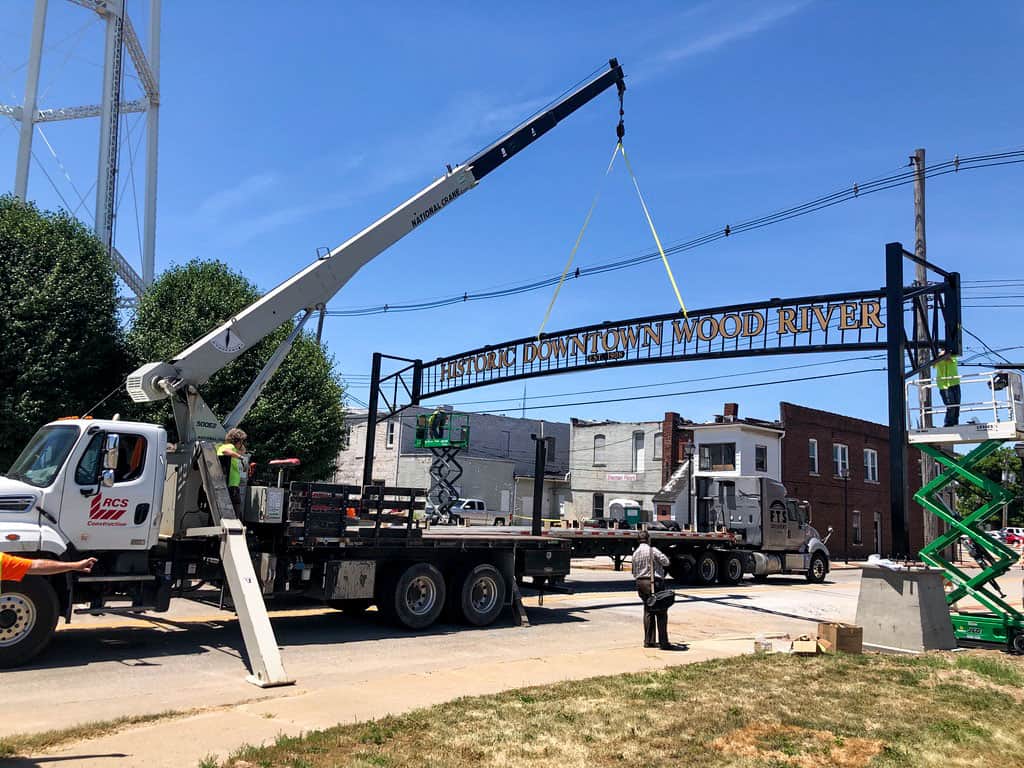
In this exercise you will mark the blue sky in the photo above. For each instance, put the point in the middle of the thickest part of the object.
(285, 131)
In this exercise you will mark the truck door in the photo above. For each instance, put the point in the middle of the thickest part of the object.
(95, 517)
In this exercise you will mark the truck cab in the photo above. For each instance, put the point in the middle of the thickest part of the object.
(776, 528)
(85, 485)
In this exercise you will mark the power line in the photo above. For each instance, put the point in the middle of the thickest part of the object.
(826, 201)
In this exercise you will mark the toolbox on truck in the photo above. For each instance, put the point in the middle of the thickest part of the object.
(544, 562)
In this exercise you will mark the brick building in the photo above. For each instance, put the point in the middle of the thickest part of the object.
(816, 450)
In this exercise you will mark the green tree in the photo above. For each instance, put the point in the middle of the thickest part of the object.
(969, 498)
(62, 348)
(300, 412)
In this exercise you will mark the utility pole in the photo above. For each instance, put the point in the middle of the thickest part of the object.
(930, 524)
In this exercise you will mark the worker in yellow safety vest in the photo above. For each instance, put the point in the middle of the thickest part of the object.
(948, 379)
(232, 452)
(438, 420)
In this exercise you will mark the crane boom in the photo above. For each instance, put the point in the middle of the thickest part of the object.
(312, 287)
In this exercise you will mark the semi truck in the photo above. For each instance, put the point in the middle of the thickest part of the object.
(743, 525)
(159, 518)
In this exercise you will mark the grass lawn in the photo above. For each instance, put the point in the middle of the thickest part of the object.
(777, 711)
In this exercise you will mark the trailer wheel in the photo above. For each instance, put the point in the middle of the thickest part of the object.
(707, 568)
(28, 617)
(481, 595)
(418, 596)
(353, 607)
(818, 569)
(731, 569)
(682, 568)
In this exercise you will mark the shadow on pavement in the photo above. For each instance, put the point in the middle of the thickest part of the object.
(28, 762)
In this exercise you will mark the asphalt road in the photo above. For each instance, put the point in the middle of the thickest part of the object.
(100, 668)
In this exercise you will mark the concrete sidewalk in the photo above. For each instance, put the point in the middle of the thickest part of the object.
(184, 742)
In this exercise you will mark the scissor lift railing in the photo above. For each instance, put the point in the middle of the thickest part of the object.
(1004, 420)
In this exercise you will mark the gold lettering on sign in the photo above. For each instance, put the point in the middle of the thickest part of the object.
(652, 336)
(869, 311)
(848, 317)
(737, 326)
(683, 330)
(751, 328)
(711, 325)
(823, 318)
(786, 316)
(804, 326)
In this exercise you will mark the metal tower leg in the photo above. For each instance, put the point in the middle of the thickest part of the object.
(1003, 623)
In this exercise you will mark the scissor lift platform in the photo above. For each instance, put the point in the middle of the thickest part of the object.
(1003, 411)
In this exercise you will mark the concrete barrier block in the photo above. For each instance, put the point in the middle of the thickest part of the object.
(904, 611)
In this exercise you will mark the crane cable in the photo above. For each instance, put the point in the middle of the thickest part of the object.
(620, 132)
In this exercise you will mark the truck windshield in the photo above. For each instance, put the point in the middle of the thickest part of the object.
(45, 454)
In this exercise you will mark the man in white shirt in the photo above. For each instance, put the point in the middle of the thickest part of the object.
(649, 571)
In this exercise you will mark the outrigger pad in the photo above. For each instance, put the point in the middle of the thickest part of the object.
(904, 611)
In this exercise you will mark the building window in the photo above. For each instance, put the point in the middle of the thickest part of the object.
(761, 458)
(598, 450)
(871, 465)
(657, 446)
(638, 451)
(389, 441)
(855, 522)
(718, 457)
(346, 437)
(598, 506)
(812, 451)
(840, 460)
(507, 442)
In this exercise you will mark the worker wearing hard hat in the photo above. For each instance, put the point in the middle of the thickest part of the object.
(14, 568)
(948, 378)
(231, 452)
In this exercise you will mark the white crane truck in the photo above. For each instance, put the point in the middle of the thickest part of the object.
(160, 519)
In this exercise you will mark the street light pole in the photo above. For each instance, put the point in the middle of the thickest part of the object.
(846, 514)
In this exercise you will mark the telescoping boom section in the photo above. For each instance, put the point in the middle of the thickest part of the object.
(311, 288)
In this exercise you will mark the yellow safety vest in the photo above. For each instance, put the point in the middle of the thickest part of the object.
(947, 373)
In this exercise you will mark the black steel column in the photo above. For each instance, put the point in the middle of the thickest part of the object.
(371, 420)
(895, 334)
(538, 484)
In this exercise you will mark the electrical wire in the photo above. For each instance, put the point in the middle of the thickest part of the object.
(855, 191)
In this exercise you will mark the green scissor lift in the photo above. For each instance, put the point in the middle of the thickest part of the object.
(1001, 623)
(444, 434)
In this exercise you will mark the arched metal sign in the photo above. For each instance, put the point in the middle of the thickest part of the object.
(892, 319)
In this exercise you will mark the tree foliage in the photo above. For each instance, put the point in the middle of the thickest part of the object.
(62, 348)
(300, 412)
(968, 498)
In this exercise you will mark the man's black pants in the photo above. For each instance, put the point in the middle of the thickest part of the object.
(653, 618)
(951, 399)
(236, 499)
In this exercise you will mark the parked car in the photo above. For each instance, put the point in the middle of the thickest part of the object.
(1013, 536)
(475, 512)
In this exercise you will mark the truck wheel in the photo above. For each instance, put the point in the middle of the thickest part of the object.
(707, 568)
(682, 568)
(418, 596)
(731, 569)
(481, 595)
(818, 568)
(499, 521)
(28, 617)
(353, 607)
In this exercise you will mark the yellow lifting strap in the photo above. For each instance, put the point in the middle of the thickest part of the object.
(586, 221)
(579, 239)
(650, 223)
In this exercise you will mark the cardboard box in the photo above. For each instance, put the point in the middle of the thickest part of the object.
(805, 646)
(845, 638)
